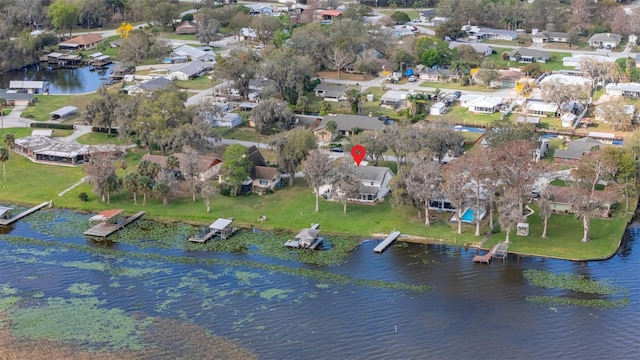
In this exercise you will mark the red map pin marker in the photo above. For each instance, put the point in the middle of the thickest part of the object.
(358, 152)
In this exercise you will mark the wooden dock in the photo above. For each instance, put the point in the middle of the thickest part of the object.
(204, 238)
(105, 229)
(486, 258)
(386, 242)
(24, 213)
(221, 227)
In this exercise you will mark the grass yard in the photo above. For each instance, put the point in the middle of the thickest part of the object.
(199, 83)
(19, 132)
(48, 103)
(555, 62)
(95, 138)
(564, 235)
(172, 35)
(460, 114)
(455, 86)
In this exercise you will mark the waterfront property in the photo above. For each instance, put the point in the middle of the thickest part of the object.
(110, 221)
(29, 87)
(208, 165)
(44, 149)
(15, 98)
(386, 242)
(82, 42)
(374, 183)
(64, 60)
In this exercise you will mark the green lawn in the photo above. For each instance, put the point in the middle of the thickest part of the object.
(564, 235)
(48, 103)
(175, 36)
(460, 114)
(95, 138)
(456, 86)
(199, 83)
(555, 62)
(19, 132)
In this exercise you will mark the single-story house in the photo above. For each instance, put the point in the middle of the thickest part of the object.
(186, 27)
(480, 48)
(248, 34)
(346, 124)
(208, 165)
(29, 87)
(485, 105)
(227, 119)
(543, 37)
(45, 149)
(494, 34)
(603, 137)
(575, 149)
(402, 32)
(188, 71)
(331, 92)
(623, 89)
(429, 74)
(539, 107)
(561, 201)
(259, 9)
(438, 108)
(568, 120)
(576, 59)
(375, 183)
(393, 99)
(566, 80)
(526, 55)
(193, 53)
(63, 112)
(605, 40)
(466, 99)
(330, 15)
(82, 42)
(149, 86)
(15, 98)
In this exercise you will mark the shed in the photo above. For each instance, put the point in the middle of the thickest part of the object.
(63, 112)
(438, 108)
(568, 119)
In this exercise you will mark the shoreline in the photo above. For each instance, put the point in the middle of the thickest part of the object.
(407, 238)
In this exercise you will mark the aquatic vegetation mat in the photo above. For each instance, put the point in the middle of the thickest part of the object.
(577, 283)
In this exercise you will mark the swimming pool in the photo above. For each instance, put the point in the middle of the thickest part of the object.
(469, 129)
(468, 215)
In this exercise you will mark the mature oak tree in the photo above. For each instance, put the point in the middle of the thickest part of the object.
(236, 167)
(345, 183)
(316, 168)
(292, 148)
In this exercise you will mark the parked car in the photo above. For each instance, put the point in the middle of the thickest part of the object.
(336, 149)
(457, 93)
(412, 78)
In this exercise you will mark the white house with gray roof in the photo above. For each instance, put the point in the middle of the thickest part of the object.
(480, 48)
(375, 183)
(188, 71)
(543, 37)
(479, 33)
(526, 55)
(623, 89)
(606, 40)
(193, 53)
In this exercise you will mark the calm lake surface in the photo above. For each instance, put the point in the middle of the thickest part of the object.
(61, 81)
(472, 310)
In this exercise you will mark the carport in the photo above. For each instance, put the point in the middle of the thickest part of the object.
(63, 112)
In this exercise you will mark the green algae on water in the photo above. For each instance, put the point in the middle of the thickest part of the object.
(79, 320)
(85, 289)
(566, 301)
(574, 282)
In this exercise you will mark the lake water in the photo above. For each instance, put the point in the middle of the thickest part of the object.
(291, 310)
(61, 81)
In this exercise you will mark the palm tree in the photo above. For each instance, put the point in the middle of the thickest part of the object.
(4, 156)
(9, 140)
(131, 183)
(172, 162)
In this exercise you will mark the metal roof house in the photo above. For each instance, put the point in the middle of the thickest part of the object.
(188, 71)
(29, 87)
(13, 97)
(63, 112)
(194, 53)
(623, 89)
(44, 149)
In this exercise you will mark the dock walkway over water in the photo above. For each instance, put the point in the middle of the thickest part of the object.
(104, 228)
(11, 220)
(219, 227)
(498, 251)
(306, 238)
(386, 242)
